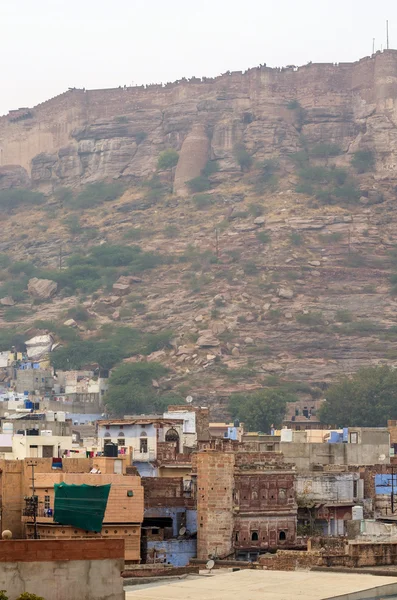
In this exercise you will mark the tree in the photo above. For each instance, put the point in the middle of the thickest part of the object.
(131, 390)
(260, 410)
(168, 159)
(363, 161)
(367, 399)
(243, 157)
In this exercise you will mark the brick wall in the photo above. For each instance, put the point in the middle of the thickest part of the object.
(290, 560)
(54, 550)
(129, 535)
(163, 491)
(215, 483)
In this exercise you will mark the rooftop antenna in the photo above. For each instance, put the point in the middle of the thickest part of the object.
(387, 33)
(373, 45)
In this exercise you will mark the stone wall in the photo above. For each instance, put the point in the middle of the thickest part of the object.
(63, 569)
(86, 135)
(215, 483)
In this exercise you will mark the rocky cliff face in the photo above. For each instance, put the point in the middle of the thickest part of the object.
(84, 136)
(272, 282)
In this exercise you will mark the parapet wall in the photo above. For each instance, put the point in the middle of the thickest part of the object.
(63, 569)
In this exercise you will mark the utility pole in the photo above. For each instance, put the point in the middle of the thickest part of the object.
(34, 504)
(387, 34)
(373, 45)
(392, 490)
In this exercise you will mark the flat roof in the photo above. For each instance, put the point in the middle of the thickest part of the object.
(271, 585)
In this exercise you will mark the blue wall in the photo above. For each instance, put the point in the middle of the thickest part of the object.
(175, 552)
(176, 515)
(383, 484)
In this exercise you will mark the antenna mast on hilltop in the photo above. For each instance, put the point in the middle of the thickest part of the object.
(373, 45)
(387, 34)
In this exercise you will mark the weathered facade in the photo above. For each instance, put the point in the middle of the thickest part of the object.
(245, 504)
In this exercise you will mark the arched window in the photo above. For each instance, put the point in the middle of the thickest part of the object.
(121, 439)
(172, 436)
(282, 536)
(107, 437)
(143, 443)
(254, 536)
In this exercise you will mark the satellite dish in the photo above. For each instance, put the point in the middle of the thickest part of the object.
(189, 399)
(210, 565)
(382, 457)
(182, 531)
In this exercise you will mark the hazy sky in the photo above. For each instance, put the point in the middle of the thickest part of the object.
(47, 46)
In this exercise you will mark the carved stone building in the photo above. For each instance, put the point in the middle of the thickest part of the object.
(245, 504)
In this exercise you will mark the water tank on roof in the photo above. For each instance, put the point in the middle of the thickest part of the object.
(50, 415)
(111, 450)
(61, 416)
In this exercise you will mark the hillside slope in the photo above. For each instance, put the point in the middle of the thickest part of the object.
(276, 263)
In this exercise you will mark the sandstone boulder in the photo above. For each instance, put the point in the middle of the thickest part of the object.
(121, 289)
(42, 288)
(7, 301)
(70, 323)
(207, 340)
(285, 293)
(13, 176)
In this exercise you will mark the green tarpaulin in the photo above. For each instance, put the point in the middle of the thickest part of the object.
(82, 506)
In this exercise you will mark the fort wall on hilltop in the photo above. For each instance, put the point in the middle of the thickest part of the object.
(49, 126)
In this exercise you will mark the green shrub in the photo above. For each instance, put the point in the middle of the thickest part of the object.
(3, 595)
(5, 261)
(168, 159)
(78, 313)
(140, 136)
(323, 150)
(256, 210)
(242, 156)
(299, 158)
(202, 201)
(63, 194)
(296, 238)
(315, 174)
(343, 316)
(135, 233)
(363, 161)
(210, 168)
(240, 214)
(263, 237)
(171, 231)
(360, 327)
(304, 188)
(13, 313)
(250, 268)
(28, 596)
(293, 104)
(310, 318)
(347, 192)
(96, 193)
(266, 178)
(199, 184)
(121, 119)
(22, 267)
(72, 222)
(14, 198)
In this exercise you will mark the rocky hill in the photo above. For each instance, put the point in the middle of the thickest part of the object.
(267, 251)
